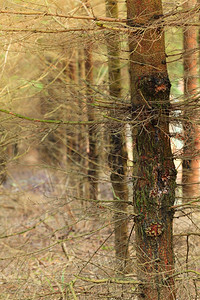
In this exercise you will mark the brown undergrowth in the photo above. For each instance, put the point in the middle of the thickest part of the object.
(54, 246)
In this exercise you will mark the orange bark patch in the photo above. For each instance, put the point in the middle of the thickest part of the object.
(161, 88)
(154, 229)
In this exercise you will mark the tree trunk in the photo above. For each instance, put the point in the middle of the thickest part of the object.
(82, 135)
(3, 162)
(92, 130)
(72, 108)
(154, 172)
(118, 152)
(190, 174)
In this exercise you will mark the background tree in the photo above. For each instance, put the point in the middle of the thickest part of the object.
(191, 131)
(118, 152)
(92, 154)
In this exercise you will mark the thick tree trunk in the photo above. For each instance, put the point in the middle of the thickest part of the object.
(154, 187)
(92, 133)
(118, 153)
(190, 174)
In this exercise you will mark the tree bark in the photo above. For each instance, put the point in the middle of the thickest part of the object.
(118, 151)
(154, 172)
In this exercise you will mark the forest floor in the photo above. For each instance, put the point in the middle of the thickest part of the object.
(54, 246)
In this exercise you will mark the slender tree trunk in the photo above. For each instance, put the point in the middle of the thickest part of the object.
(82, 136)
(155, 181)
(3, 162)
(190, 175)
(72, 134)
(92, 130)
(118, 153)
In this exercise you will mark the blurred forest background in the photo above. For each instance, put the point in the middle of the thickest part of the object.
(67, 216)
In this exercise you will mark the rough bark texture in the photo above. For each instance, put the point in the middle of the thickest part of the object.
(190, 174)
(118, 153)
(92, 136)
(154, 189)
